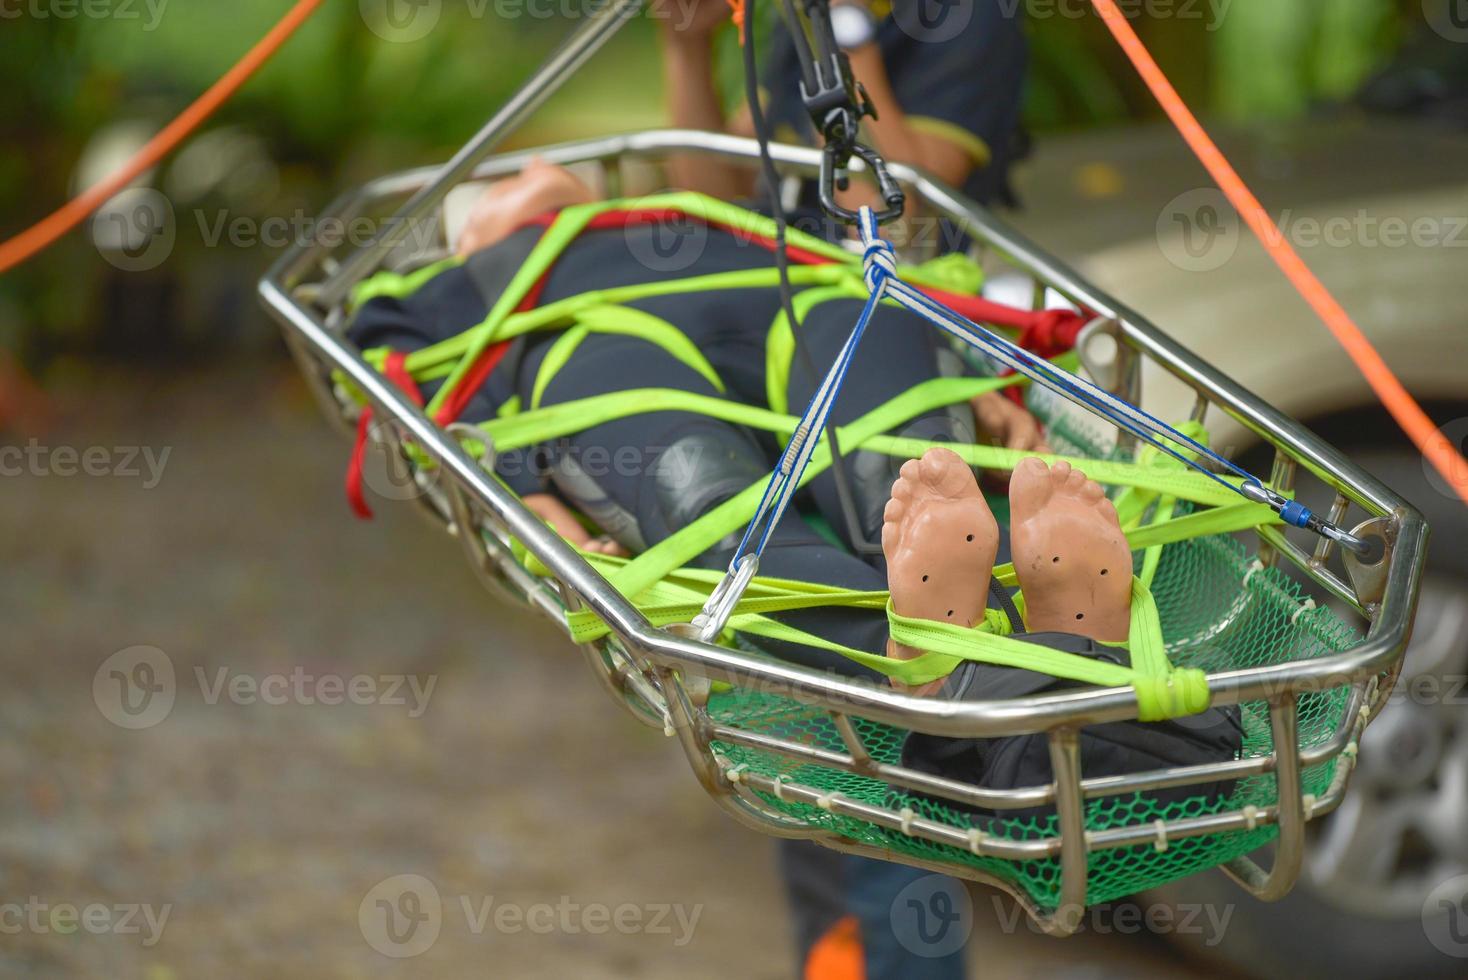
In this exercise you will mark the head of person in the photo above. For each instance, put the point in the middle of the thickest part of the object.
(509, 203)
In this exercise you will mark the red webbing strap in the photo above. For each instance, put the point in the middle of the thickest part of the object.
(1044, 332)
(394, 370)
(459, 398)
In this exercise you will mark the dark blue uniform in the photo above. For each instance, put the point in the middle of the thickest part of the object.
(957, 69)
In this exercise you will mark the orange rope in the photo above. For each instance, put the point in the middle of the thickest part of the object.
(1436, 447)
(46, 231)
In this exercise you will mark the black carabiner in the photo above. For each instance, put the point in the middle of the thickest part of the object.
(834, 159)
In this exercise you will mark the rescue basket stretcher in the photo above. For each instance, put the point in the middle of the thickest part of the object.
(795, 753)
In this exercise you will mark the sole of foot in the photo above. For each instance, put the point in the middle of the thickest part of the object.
(1074, 564)
(940, 538)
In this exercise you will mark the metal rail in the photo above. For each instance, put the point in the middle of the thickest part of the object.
(653, 670)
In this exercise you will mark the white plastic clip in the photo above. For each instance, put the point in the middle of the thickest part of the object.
(780, 788)
(1251, 816)
(1349, 752)
(669, 731)
(1308, 802)
(1254, 566)
(975, 841)
(1161, 842)
(907, 816)
(1305, 607)
(824, 801)
(732, 773)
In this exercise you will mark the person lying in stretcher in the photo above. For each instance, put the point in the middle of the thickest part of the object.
(641, 478)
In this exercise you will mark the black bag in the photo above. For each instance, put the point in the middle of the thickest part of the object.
(1112, 749)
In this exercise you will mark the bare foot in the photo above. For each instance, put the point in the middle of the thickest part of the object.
(1073, 562)
(940, 539)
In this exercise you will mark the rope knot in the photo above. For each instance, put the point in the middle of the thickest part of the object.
(1182, 692)
(879, 263)
(1052, 332)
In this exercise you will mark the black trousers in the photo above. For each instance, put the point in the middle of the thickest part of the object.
(644, 476)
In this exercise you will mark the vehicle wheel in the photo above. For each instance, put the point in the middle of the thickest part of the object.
(1364, 905)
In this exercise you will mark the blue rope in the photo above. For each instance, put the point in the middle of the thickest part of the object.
(880, 275)
(785, 480)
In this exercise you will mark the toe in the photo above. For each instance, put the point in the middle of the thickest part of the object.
(1029, 486)
(947, 474)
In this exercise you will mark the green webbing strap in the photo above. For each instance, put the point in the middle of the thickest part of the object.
(453, 358)
(554, 421)
(399, 284)
(438, 360)
(569, 224)
(1162, 690)
(549, 423)
(693, 539)
(774, 594)
(1136, 499)
(562, 231)
(661, 587)
(628, 322)
(666, 602)
(667, 593)
(780, 344)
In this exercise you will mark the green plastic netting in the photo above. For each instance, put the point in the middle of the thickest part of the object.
(1210, 619)
(1215, 615)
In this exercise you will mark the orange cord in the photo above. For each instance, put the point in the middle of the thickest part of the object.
(1436, 447)
(1409, 415)
(45, 232)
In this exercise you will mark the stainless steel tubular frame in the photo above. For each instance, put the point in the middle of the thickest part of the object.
(658, 673)
(601, 23)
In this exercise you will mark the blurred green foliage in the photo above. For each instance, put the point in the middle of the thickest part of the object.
(340, 103)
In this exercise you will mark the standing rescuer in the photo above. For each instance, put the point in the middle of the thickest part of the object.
(946, 79)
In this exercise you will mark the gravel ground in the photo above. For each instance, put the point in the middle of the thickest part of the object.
(261, 830)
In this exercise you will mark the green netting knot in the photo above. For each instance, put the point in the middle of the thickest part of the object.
(1182, 692)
